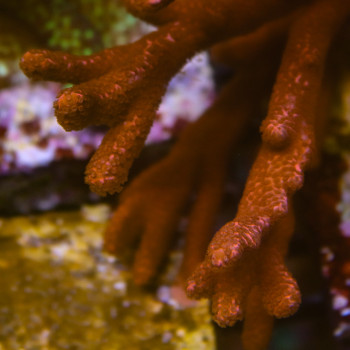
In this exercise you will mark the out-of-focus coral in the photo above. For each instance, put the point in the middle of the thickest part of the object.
(243, 271)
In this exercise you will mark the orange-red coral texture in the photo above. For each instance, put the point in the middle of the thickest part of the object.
(283, 45)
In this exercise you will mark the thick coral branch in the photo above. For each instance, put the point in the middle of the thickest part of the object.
(111, 84)
(277, 173)
(115, 98)
(300, 75)
(259, 272)
(261, 221)
(109, 167)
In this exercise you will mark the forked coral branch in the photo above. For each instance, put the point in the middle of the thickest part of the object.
(111, 85)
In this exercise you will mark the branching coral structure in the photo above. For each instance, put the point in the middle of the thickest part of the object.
(243, 270)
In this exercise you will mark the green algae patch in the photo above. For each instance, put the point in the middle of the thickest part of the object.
(60, 291)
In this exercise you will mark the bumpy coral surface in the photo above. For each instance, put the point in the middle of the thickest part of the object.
(243, 270)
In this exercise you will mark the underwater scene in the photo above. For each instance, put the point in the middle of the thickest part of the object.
(175, 175)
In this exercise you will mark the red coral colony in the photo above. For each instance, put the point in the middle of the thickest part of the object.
(283, 44)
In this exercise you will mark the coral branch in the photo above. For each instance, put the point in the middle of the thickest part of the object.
(111, 83)
(260, 276)
(115, 98)
(197, 163)
(121, 145)
(276, 174)
(169, 184)
(257, 324)
(301, 70)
